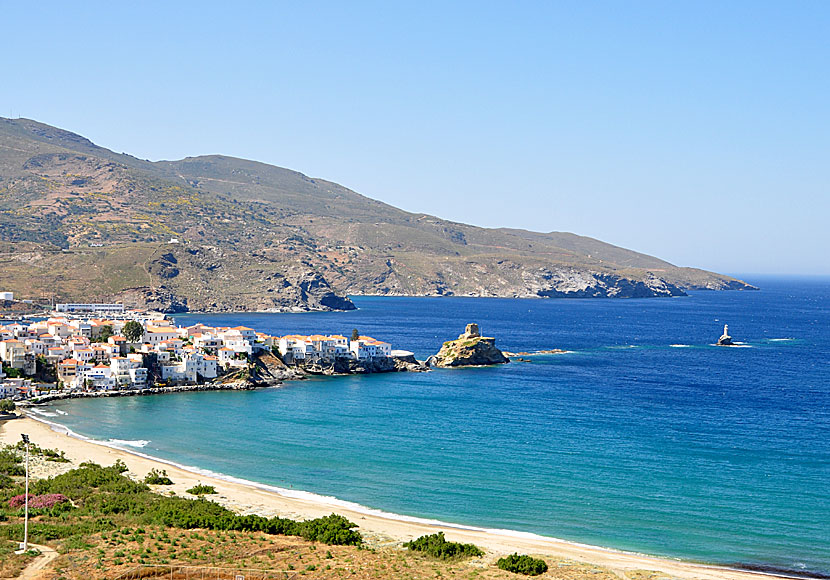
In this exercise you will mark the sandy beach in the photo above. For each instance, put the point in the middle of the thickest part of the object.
(377, 528)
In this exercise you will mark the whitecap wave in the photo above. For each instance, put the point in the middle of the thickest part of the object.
(780, 339)
(680, 345)
(59, 412)
(43, 413)
(127, 443)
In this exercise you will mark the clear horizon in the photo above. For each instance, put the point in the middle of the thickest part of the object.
(696, 133)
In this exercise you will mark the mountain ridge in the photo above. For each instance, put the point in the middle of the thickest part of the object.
(254, 236)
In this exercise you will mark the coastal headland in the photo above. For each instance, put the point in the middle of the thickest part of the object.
(86, 223)
(378, 528)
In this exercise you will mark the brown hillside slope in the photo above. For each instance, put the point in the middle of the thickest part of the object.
(78, 221)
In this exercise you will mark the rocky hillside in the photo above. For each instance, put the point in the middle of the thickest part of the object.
(214, 233)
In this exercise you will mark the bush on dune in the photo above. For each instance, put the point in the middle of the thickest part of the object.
(156, 477)
(522, 565)
(84, 481)
(437, 546)
(200, 489)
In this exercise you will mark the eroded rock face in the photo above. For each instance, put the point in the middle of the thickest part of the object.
(292, 290)
(471, 349)
(349, 366)
(158, 299)
(579, 284)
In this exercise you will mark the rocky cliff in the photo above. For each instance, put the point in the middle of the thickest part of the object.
(471, 349)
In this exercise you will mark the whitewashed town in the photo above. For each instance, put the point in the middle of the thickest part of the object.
(103, 347)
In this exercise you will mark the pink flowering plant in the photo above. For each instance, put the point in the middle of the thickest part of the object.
(45, 501)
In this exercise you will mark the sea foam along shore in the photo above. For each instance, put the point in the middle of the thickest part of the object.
(252, 498)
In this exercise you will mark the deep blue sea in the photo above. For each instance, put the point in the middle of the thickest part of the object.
(645, 437)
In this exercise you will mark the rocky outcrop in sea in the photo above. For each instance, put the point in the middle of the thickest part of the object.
(471, 349)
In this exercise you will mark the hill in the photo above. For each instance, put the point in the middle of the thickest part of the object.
(217, 233)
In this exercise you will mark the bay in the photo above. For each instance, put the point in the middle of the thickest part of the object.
(642, 437)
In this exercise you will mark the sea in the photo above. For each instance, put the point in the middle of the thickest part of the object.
(643, 436)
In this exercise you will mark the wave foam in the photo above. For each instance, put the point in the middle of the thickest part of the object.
(43, 413)
(123, 442)
(680, 345)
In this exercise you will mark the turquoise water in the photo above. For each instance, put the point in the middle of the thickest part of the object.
(712, 454)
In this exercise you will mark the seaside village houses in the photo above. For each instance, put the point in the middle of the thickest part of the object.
(91, 354)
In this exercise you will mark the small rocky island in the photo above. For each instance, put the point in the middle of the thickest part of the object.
(725, 339)
(471, 349)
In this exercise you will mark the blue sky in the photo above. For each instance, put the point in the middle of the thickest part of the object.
(695, 131)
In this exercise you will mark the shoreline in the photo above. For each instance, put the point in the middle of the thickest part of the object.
(63, 395)
(245, 496)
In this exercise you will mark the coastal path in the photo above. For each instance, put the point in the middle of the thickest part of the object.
(39, 564)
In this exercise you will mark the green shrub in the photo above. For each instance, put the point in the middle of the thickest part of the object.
(156, 477)
(523, 564)
(437, 546)
(11, 463)
(7, 406)
(200, 489)
(104, 496)
(83, 482)
(333, 529)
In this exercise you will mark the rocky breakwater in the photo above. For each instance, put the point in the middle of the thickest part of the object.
(471, 349)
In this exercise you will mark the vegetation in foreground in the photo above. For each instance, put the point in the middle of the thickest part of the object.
(103, 525)
(201, 489)
(101, 499)
(523, 564)
(156, 477)
(437, 546)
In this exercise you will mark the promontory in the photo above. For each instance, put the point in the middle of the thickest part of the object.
(81, 223)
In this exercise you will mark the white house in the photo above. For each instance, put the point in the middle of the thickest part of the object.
(121, 367)
(14, 388)
(207, 341)
(36, 346)
(190, 368)
(98, 377)
(367, 347)
(295, 347)
(156, 334)
(138, 377)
